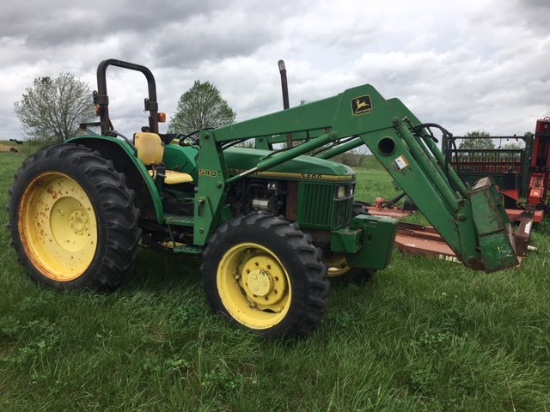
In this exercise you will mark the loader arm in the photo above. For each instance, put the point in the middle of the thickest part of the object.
(472, 221)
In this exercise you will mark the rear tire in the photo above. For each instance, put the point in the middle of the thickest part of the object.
(263, 273)
(72, 219)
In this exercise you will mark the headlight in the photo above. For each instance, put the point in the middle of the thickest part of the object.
(340, 192)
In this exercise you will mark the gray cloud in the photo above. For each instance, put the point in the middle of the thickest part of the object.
(478, 64)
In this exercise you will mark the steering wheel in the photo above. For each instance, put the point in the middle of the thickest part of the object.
(188, 139)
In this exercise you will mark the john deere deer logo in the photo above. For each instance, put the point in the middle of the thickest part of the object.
(361, 105)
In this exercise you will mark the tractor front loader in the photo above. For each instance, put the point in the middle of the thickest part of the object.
(271, 225)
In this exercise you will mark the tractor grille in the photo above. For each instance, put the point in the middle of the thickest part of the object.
(316, 203)
(342, 212)
(320, 209)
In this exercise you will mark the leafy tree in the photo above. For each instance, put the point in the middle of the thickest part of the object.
(201, 107)
(512, 146)
(514, 155)
(52, 109)
(352, 158)
(480, 140)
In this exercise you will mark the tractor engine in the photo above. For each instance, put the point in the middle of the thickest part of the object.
(248, 195)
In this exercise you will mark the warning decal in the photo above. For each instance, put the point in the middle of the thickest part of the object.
(400, 163)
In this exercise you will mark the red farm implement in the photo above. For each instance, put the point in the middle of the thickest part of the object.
(520, 171)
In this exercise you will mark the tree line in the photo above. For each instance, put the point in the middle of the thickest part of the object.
(52, 109)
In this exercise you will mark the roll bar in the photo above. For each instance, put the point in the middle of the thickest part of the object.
(101, 98)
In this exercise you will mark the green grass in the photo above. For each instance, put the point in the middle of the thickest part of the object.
(424, 335)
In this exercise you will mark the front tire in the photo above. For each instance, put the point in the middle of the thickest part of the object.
(263, 273)
(72, 219)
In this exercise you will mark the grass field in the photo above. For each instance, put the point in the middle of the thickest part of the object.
(423, 335)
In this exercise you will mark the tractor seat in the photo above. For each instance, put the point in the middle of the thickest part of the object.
(150, 150)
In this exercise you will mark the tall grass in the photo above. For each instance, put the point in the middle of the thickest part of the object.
(423, 335)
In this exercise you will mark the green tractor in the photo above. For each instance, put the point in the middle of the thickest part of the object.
(272, 225)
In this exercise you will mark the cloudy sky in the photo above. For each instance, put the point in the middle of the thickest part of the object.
(468, 65)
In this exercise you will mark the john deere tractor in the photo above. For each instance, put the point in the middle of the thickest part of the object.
(272, 223)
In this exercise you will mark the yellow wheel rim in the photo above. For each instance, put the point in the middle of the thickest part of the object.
(58, 226)
(254, 286)
(337, 265)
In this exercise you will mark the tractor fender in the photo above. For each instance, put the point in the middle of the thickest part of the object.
(125, 160)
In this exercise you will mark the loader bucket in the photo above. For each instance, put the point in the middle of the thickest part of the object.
(495, 236)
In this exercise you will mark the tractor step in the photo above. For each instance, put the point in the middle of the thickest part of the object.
(189, 250)
(179, 220)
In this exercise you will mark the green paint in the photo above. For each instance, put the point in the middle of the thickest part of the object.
(319, 192)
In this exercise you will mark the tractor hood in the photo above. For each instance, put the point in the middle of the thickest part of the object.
(239, 160)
